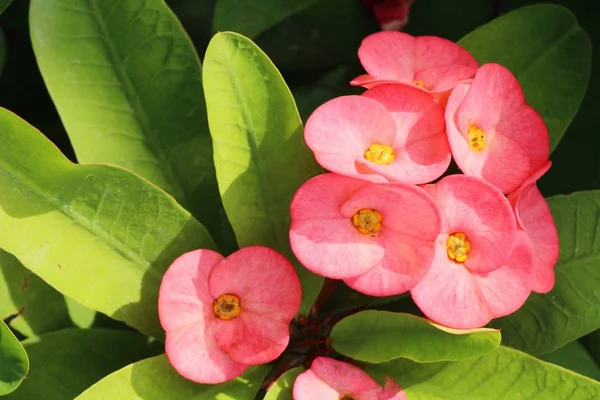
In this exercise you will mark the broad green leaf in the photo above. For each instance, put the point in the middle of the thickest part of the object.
(549, 53)
(97, 233)
(260, 154)
(282, 388)
(155, 379)
(65, 363)
(14, 363)
(299, 34)
(251, 18)
(35, 306)
(504, 374)
(572, 308)
(573, 356)
(380, 336)
(126, 81)
(448, 19)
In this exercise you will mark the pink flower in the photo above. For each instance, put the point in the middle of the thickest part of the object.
(483, 265)
(379, 238)
(534, 217)
(430, 63)
(391, 14)
(329, 379)
(493, 133)
(223, 314)
(392, 133)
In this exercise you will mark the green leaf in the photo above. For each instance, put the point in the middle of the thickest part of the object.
(34, 306)
(155, 379)
(260, 154)
(13, 361)
(126, 81)
(299, 34)
(574, 356)
(282, 388)
(549, 53)
(251, 18)
(380, 336)
(449, 19)
(572, 308)
(97, 233)
(504, 374)
(65, 363)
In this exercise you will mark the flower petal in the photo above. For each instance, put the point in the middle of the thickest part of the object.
(389, 55)
(264, 280)
(194, 354)
(406, 261)
(421, 146)
(321, 237)
(449, 294)
(493, 95)
(340, 131)
(327, 376)
(184, 298)
(404, 208)
(535, 218)
(503, 162)
(252, 338)
(506, 289)
(480, 211)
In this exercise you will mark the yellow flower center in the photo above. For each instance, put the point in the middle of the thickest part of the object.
(458, 247)
(476, 139)
(380, 154)
(227, 306)
(419, 83)
(367, 220)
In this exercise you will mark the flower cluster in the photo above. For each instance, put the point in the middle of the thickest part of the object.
(469, 247)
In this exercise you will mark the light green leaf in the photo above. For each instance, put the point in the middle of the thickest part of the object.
(504, 374)
(65, 363)
(126, 81)
(260, 154)
(35, 306)
(573, 356)
(14, 363)
(380, 336)
(282, 388)
(572, 308)
(549, 53)
(155, 379)
(97, 233)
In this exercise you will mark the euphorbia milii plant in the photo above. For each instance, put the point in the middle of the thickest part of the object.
(378, 239)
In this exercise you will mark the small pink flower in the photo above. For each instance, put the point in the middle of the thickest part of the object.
(392, 133)
(534, 217)
(391, 14)
(223, 314)
(378, 237)
(329, 379)
(493, 133)
(430, 63)
(483, 265)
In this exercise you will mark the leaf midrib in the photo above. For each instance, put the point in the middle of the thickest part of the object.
(175, 181)
(254, 148)
(65, 208)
